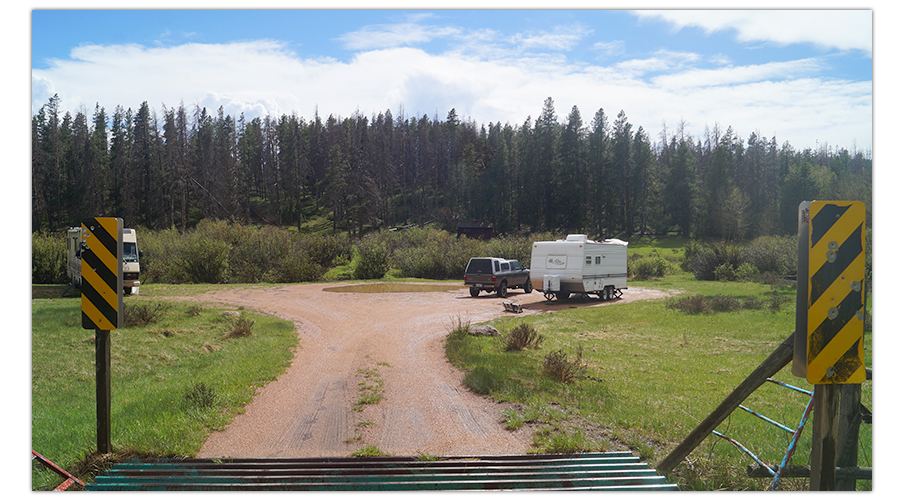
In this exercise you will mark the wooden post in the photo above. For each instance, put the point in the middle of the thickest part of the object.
(772, 365)
(102, 366)
(848, 433)
(823, 459)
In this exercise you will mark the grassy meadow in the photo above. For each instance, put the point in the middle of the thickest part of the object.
(649, 372)
(643, 374)
(186, 371)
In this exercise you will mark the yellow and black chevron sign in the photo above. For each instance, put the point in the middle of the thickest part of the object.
(836, 290)
(101, 273)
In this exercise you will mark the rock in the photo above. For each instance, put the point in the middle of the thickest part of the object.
(483, 331)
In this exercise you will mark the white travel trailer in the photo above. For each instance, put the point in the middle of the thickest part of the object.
(579, 265)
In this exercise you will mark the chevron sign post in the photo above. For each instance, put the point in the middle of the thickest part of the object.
(828, 347)
(102, 308)
(101, 273)
(832, 292)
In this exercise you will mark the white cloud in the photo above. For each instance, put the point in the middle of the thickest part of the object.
(561, 38)
(263, 77)
(832, 29)
(382, 36)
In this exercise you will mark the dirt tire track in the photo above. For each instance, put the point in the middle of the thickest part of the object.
(308, 410)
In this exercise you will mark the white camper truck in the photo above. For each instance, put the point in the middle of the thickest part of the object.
(131, 257)
(579, 265)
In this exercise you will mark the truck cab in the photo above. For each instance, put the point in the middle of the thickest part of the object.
(493, 274)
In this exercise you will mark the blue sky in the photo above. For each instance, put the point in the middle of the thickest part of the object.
(803, 77)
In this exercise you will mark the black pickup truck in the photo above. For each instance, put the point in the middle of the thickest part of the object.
(496, 275)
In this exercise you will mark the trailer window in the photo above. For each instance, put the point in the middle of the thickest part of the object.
(587, 259)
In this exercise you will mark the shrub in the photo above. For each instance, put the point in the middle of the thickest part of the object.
(691, 304)
(373, 260)
(558, 366)
(724, 303)
(776, 300)
(48, 259)
(726, 272)
(703, 261)
(522, 336)
(327, 251)
(204, 260)
(774, 254)
(753, 302)
(242, 327)
(143, 314)
(643, 268)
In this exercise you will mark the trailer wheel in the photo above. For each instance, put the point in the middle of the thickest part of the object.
(474, 291)
(501, 290)
(528, 287)
(561, 295)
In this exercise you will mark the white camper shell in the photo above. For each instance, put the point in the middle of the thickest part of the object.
(580, 265)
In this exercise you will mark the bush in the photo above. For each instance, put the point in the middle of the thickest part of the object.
(724, 303)
(558, 366)
(691, 304)
(141, 314)
(754, 303)
(373, 260)
(242, 327)
(204, 260)
(703, 261)
(772, 254)
(48, 259)
(522, 336)
(726, 272)
(644, 268)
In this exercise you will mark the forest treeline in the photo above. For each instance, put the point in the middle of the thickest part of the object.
(602, 177)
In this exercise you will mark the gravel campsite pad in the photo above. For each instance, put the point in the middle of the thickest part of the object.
(354, 344)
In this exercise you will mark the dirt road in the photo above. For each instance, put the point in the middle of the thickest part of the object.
(396, 338)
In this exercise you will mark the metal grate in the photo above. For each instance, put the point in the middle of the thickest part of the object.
(590, 471)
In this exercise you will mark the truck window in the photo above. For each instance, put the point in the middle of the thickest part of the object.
(516, 266)
(479, 266)
(504, 266)
(496, 266)
(129, 252)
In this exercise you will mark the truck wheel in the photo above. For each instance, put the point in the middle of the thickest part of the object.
(528, 287)
(474, 291)
(501, 291)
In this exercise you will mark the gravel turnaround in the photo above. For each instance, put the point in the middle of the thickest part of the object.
(351, 344)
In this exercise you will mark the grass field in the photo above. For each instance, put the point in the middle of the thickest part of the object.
(651, 373)
(173, 380)
(648, 373)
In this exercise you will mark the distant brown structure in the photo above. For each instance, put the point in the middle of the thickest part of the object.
(475, 229)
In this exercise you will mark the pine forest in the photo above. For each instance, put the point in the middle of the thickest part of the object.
(599, 175)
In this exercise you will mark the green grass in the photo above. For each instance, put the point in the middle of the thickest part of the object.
(652, 374)
(172, 381)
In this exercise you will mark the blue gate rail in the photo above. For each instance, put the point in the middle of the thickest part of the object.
(590, 471)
